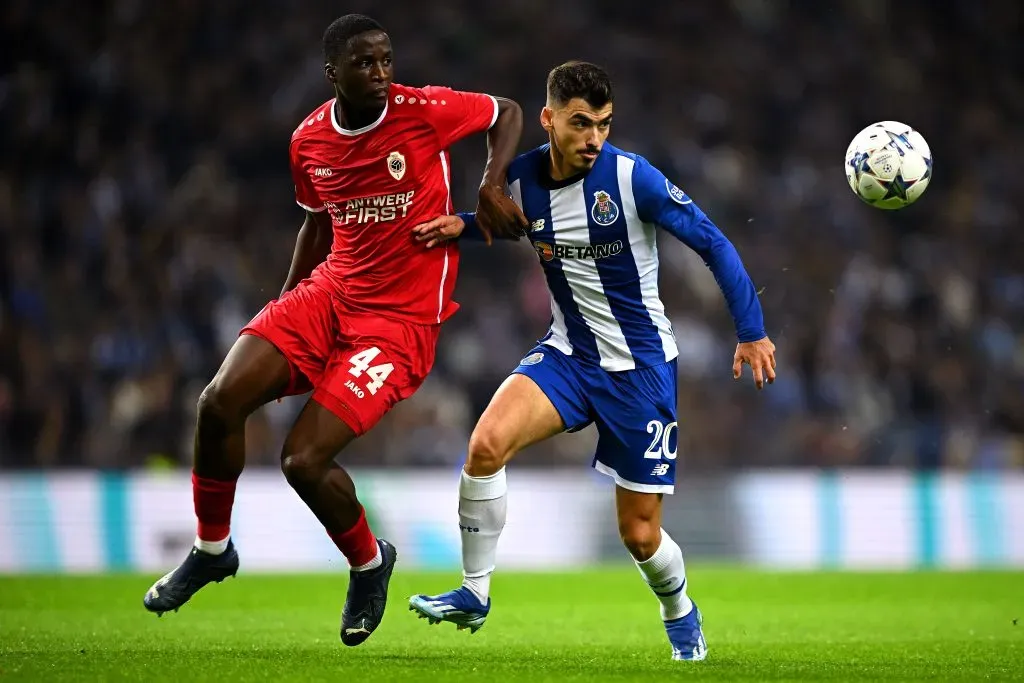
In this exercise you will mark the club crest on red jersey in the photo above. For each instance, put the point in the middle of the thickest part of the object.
(396, 165)
(604, 211)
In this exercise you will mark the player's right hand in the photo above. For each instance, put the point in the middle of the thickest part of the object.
(760, 356)
(498, 216)
(439, 230)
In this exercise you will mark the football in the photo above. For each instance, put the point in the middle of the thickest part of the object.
(888, 165)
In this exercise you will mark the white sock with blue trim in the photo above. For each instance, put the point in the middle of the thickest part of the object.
(665, 573)
(482, 511)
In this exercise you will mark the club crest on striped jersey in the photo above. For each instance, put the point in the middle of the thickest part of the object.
(532, 359)
(604, 211)
(396, 165)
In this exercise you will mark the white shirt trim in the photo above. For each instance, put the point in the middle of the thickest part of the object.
(310, 208)
(447, 205)
(357, 131)
(494, 118)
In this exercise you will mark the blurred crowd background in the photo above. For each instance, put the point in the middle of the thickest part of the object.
(146, 213)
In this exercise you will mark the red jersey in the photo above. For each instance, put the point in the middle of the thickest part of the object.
(378, 182)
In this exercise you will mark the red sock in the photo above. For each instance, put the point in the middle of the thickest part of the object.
(213, 499)
(358, 544)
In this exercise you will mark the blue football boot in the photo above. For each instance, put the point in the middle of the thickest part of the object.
(687, 637)
(460, 606)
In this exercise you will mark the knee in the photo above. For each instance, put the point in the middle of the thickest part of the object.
(641, 534)
(217, 406)
(299, 466)
(487, 453)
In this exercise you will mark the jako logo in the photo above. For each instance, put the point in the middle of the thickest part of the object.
(323, 173)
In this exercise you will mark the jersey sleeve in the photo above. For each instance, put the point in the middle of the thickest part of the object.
(660, 202)
(456, 114)
(305, 193)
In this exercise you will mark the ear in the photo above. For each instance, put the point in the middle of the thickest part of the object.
(547, 118)
(331, 73)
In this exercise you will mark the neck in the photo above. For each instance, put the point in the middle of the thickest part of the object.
(559, 168)
(351, 117)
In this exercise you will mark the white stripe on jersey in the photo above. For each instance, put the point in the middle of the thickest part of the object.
(447, 208)
(559, 334)
(569, 223)
(643, 242)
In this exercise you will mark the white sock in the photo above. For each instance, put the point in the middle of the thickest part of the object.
(482, 511)
(372, 564)
(213, 547)
(665, 573)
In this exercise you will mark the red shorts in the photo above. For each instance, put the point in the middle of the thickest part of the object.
(357, 364)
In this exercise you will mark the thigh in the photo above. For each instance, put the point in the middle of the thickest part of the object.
(302, 326)
(636, 418)
(519, 415)
(555, 383)
(375, 364)
(253, 373)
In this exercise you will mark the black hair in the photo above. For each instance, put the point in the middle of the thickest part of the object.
(337, 35)
(580, 79)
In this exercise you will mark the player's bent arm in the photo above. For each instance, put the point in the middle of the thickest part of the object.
(502, 142)
(312, 245)
(660, 202)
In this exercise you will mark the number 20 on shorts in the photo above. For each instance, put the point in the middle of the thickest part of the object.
(377, 374)
(659, 447)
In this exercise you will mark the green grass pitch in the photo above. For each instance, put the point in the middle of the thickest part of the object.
(590, 626)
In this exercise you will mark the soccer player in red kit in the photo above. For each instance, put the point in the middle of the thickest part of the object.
(359, 315)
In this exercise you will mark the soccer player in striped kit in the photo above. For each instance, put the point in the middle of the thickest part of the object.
(609, 355)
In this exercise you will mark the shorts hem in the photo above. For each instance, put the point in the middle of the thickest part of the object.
(631, 485)
(293, 370)
(340, 410)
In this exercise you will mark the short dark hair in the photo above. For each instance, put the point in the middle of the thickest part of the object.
(580, 79)
(337, 35)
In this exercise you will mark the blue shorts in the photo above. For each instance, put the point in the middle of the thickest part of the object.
(635, 413)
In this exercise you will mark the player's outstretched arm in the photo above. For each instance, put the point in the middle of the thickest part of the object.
(496, 214)
(446, 228)
(660, 202)
(312, 245)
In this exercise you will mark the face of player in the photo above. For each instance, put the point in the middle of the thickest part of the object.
(364, 72)
(577, 132)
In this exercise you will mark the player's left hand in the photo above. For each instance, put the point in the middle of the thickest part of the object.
(760, 356)
(498, 216)
(439, 230)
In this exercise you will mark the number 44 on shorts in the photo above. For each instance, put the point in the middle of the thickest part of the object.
(377, 374)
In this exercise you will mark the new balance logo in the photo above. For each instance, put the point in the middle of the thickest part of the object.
(537, 225)
(660, 470)
(323, 172)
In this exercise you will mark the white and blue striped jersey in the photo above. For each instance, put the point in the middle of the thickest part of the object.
(596, 236)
